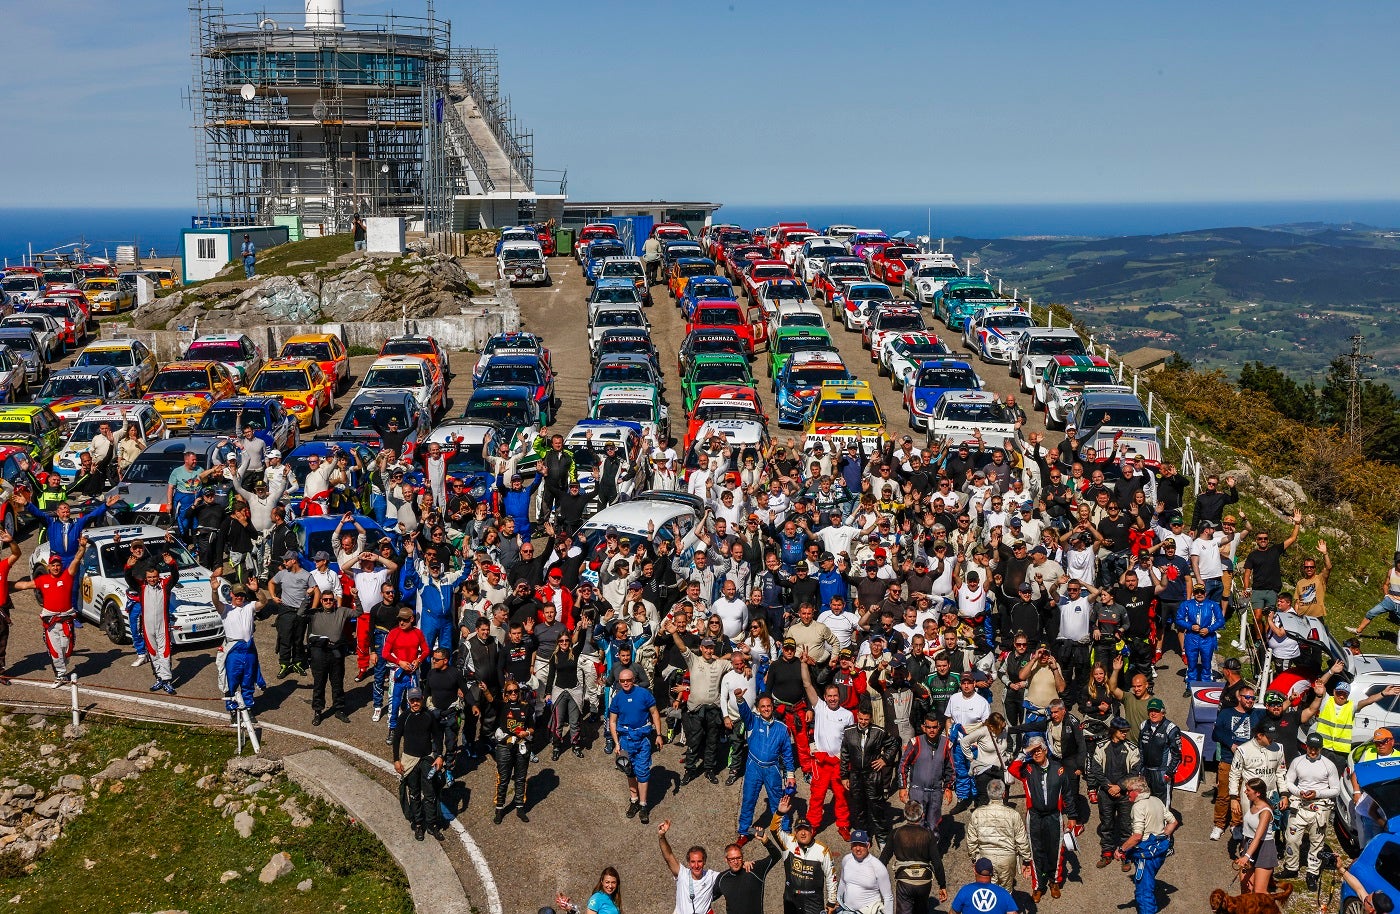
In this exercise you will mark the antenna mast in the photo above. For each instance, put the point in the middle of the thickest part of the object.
(1354, 379)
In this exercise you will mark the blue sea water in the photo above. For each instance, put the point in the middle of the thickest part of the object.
(159, 229)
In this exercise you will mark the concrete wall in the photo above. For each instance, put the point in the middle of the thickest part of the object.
(384, 235)
(465, 331)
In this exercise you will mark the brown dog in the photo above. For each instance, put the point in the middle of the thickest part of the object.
(1250, 902)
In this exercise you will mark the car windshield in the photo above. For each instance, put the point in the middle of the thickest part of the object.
(848, 412)
(72, 386)
(114, 555)
(403, 376)
(802, 343)
(421, 348)
(625, 345)
(25, 343)
(96, 358)
(1119, 416)
(771, 272)
(628, 318)
(716, 345)
(55, 309)
(938, 272)
(872, 293)
(712, 290)
(730, 409)
(230, 421)
(466, 461)
(180, 379)
(623, 373)
(826, 250)
(88, 429)
(271, 380)
(1008, 320)
(20, 284)
(734, 236)
(787, 292)
(719, 317)
(155, 468)
(1055, 345)
(498, 409)
(36, 322)
(320, 352)
(527, 347)
(599, 251)
(722, 373)
(1085, 376)
(846, 270)
(624, 410)
(925, 350)
(623, 268)
(215, 352)
(375, 416)
(813, 376)
(955, 411)
(520, 254)
(624, 295)
(955, 378)
(802, 319)
(904, 321)
(974, 294)
(697, 269)
(60, 277)
(524, 375)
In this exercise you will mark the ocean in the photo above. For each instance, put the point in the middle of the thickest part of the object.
(159, 229)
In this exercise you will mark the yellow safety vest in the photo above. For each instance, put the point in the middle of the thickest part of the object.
(1334, 725)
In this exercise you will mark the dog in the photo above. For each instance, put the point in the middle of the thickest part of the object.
(1250, 902)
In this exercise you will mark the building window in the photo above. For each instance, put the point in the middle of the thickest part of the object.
(206, 249)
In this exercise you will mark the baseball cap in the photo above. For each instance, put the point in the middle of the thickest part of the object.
(983, 867)
(801, 824)
(1023, 587)
(322, 556)
(1156, 704)
(1016, 522)
(516, 477)
(415, 695)
(1382, 733)
(980, 676)
(872, 566)
(1275, 697)
(1342, 686)
(860, 836)
(274, 454)
(1232, 663)
(1118, 723)
(611, 531)
(707, 642)
(789, 642)
(288, 556)
(556, 573)
(1314, 740)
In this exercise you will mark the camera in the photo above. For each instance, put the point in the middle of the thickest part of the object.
(1327, 859)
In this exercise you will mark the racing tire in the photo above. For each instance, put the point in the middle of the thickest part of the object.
(1050, 423)
(894, 381)
(548, 281)
(11, 523)
(880, 368)
(316, 418)
(113, 623)
(1353, 905)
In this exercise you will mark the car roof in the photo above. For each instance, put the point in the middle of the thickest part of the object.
(248, 402)
(195, 364)
(506, 391)
(1110, 398)
(310, 338)
(220, 338)
(392, 361)
(118, 409)
(472, 431)
(97, 345)
(80, 371)
(971, 396)
(946, 363)
(623, 358)
(15, 331)
(632, 516)
(199, 444)
(383, 396)
(1083, 361)
(817, 357)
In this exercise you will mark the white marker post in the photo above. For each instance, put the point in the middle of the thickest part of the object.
(73, 692)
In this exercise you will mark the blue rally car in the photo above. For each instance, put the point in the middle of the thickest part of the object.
(930, 381)
(800, 379)
(523, 371)
(1377, 867)
(597, 250)
(713, 288)
(267, 415)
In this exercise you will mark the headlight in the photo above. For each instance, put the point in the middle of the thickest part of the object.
(922, 405)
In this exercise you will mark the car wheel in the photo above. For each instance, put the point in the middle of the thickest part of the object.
(114, 623)
(315, 417)
(1352, 906)
(880, 368)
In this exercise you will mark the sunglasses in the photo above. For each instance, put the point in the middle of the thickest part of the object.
(512, 692)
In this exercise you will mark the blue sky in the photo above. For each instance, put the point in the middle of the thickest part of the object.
(812, 102)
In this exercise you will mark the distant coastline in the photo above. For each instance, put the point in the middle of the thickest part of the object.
(159, 228)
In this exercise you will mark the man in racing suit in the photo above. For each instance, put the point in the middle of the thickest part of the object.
(771, 762)
(512, 750)
(1159, 740)
(1046, 784)
(1114, 760)
(925, 771)
(809, 877)
(997, 832)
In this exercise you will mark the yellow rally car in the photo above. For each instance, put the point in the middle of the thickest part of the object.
(845, 413)
(33, 428)
(182, 392)
(107, 295)
(328, 351)
(306, 391)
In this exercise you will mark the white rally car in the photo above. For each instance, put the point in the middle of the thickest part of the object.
(992, 332)
(966, 416)
(1061, 383)
(103, 591)
(930, 274)
(902, 353)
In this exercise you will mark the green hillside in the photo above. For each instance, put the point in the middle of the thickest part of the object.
(1288, 296)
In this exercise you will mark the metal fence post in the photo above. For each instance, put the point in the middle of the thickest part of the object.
(1135, 383)
(1149, 404)
(1168, 434)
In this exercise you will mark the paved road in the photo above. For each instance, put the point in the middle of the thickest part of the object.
(577, 825)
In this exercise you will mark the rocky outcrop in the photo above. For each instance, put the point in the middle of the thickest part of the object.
(354, 288)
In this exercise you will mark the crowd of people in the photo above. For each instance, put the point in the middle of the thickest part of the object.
(912, 635)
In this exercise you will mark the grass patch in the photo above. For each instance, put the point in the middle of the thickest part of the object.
(157, 842)
(362, 350)
(290, 259)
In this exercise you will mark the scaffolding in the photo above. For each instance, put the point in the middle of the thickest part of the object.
(320, 123)
(477, 71)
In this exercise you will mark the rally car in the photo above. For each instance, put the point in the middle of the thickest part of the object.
(960, 297)
(616, 290)
(891, 263)
(588, 440)
(812, 257)
(614, 317)
(237, 351)
(683, 269)
(901, 353)
(131, 357)
(103, 587)
(269, 418)
(183, 391)
(706, 370)
(517, 343)
(305, 390)
(329, 352)
(118, 416)
(707, 340)
(597, 251)
(639, 403)
(524, 262)
(758, 272)
(865, 242)
(704, 288)
(626, 341)
(737, 259)
(925, 385)
(143, 488)
(845, 413)
(888, 321)
(525, 371)
(800, 380)
(72, 324)
(625, 369)
(514, 408)
(931, 273)
(14, 375)
(71, 392)
(1033, 349)
(420, 378)
(22, 287)
(462, 441)
(1062, 381)
(992, 332)
(1110, 418)
(968, 416)
(590, 233)
(852, 306)
(793, 340)
(771, 295)
(107, 295)
(801, 313)
(47, 330)
(746, 323)
(375, 413)
(24, 347)
(718, 402)
(629, 268)
(718, 239)
(33, 427)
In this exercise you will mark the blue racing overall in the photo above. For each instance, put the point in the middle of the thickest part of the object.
(1199, 648)
(1149, 855)
(771, 763)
